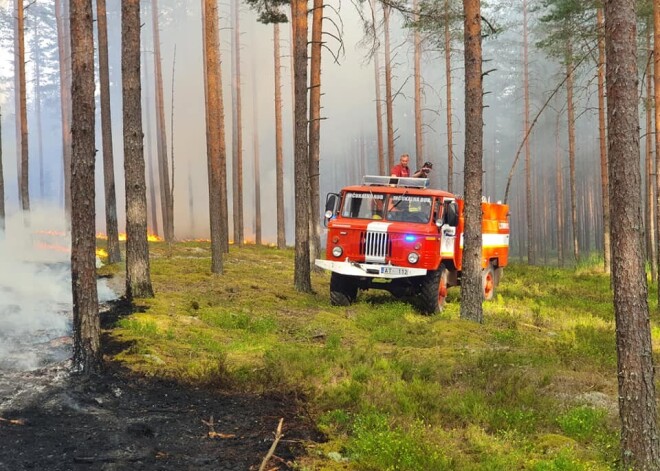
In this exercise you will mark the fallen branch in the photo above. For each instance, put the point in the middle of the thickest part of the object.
(278, 435)
(212, 433)
(12, 421)
(113, 458)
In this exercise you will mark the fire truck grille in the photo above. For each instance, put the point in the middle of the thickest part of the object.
(375, 246)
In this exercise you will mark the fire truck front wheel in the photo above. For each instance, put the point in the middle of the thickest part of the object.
(433, 291)
(343, 290)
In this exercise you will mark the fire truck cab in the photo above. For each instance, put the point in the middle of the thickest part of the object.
(399, 235)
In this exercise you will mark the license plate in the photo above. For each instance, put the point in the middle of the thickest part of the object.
(393, 271)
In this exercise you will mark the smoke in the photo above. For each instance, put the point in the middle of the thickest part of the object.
(35, 289)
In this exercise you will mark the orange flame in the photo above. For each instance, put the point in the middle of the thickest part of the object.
(122, 237)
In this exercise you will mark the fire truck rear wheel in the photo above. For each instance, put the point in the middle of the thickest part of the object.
(433, 291)
(489, 282)
(343, 290)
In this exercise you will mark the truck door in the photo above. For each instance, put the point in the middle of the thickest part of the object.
(448, 228)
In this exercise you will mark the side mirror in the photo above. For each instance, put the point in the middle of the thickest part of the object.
(451, 214)
(331, 207)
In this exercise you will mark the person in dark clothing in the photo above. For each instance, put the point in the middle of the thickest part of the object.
(424, 171)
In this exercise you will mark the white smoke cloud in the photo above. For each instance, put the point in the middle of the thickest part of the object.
(35, 287)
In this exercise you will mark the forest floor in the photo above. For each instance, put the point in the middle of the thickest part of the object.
(53, 420)
(199, 376)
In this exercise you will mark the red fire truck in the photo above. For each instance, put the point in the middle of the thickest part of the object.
(396, 234)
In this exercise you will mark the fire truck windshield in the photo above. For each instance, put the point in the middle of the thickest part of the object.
(407, 208)
(363, 205)
(400, 208)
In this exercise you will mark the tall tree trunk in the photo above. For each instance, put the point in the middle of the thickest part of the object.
(138, 277)
(604, 180)
(379, 103)
(315, 131)
(215, 135)
(571, 147)
(255, 149)
(450, 132)
(656, 94)
(531, 256)
(17, 99)
(388, 88)
(302, 278)
(65, 98)
(237, 129)
(191, 202)
(36, 46)
(2, 187)
(25, 184)
(649, 213)
(279, 160)
(560, 199)
(149, 149)
(417, 45)
(112, 229)
(637, 407)
(471, 286)
(166, 203)
(86, 322)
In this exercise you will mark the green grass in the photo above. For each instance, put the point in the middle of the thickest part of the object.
(534, 387)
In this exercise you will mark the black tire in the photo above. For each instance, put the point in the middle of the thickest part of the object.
(433, 291)
(343, 290)
(488, 282)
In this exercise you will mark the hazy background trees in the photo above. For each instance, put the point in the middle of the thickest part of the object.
(543, 203)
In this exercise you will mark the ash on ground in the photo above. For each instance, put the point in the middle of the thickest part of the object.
(53, 420)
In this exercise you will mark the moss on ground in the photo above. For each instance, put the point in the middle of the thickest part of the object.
(534, 387)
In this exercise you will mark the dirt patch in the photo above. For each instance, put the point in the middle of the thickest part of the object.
(116, 422)
(52, 420)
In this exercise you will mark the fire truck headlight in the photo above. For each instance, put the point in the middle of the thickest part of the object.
(413, 257)
(337, 251)
(328, 214)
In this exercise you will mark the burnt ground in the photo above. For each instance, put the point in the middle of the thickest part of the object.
(52, 420)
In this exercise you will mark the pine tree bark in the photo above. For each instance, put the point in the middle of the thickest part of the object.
(531, 256)
(450, 132)
(388, 88)
(560, 198)
(255, 149)
(138, 277)
(379, 103)
(17, 100)
(36, 47)
(279, 159)
(649, 210)
(602, 136)
(86, 322)
(2, 187)
(637, 407)
(315, 131)
(25, 173)
(112, 229)
(471, 286)
(65, 98)
(417, 45)
(215, 135)
(302, 278)
(149, 154)
(656, 95)
(571, 148)
(166, 203)
(237, 130)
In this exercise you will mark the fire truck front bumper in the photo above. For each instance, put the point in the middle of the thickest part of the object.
(372, 270)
